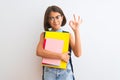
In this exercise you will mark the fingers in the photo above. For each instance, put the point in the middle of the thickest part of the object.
(81, 21)
(65, 57)
(74, 17)
(79, 18)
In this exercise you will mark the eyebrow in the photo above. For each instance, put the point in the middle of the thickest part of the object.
(55, 16)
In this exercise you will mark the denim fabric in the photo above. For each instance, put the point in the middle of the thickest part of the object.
(58, 74)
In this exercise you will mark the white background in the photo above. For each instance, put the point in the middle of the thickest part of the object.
(21, 22)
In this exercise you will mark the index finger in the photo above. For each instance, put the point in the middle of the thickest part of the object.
(74, 17)
(78, 18)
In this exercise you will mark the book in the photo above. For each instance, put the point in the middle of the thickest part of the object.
(58, 47)
(56, 42)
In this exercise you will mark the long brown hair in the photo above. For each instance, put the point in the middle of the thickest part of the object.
(46, 16)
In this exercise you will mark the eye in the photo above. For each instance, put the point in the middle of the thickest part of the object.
(58, 17)
(51, 18)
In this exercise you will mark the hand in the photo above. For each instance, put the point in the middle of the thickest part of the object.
(65, 57)
(74, 24)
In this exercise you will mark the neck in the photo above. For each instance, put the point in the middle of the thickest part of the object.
(57, 29)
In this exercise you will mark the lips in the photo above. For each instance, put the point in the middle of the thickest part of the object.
(55, 24)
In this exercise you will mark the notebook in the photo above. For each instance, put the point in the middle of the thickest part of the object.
(57, 42)
(53, 45)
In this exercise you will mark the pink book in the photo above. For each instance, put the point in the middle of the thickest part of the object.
(53, 45)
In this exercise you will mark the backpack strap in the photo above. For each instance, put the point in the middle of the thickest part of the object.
(70, 60)
(43, 73)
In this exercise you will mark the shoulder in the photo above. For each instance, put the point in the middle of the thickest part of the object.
(42, 34)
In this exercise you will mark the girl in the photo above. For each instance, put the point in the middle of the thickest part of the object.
(54, 19)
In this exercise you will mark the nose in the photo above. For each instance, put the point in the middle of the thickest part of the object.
(55, 20)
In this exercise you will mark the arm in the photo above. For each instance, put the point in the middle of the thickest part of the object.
(75, 41)
(49, 54)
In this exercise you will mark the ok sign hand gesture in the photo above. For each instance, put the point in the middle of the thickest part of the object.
(75, 23)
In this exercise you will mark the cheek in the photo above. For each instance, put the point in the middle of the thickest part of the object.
(50, 23)
(61, 21)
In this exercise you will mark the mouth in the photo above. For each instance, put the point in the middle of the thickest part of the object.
(55, 24)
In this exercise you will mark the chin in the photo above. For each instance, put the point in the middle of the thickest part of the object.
(56, 27)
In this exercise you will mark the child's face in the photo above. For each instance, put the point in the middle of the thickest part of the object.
(55, 20)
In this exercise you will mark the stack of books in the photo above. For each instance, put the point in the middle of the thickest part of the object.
(56, 42)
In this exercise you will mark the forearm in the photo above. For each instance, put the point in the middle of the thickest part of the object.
(53, 55)
(77, 47)
(48, 54)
